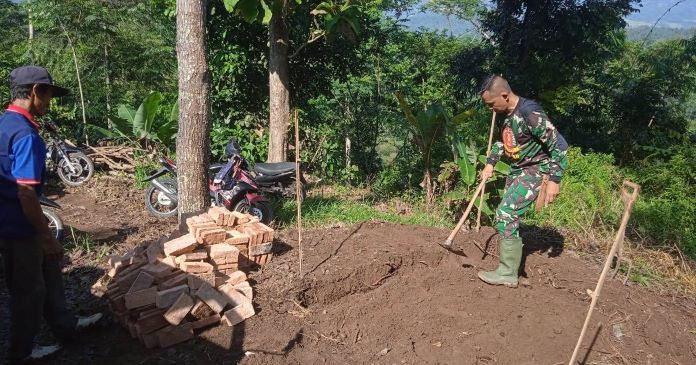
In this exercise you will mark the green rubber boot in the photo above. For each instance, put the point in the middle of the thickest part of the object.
(510, 258)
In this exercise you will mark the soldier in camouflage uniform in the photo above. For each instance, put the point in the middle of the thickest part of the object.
(534, 148)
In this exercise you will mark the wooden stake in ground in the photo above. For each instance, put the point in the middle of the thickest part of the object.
(448, 243)
(629, 199)
(483, 190)
(298, 192)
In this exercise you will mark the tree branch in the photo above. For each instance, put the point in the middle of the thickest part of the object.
(305, 44)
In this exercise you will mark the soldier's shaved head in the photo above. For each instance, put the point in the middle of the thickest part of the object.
(495, 85)
(497, 94)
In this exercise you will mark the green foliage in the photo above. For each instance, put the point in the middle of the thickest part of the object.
(589, 194)
(146, 125)
(664, 214)
(248, 132)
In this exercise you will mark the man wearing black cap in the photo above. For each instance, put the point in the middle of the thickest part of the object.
(30, 253)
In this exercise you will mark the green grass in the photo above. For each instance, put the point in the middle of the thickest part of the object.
(77, 240)
(326, 211)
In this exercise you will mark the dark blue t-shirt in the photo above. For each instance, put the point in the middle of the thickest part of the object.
(22, 161)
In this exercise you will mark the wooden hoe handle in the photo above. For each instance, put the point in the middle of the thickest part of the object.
(450, 239)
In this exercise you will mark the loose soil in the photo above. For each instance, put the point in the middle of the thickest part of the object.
(379, 293)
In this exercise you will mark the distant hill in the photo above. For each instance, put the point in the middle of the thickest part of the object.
(677, 23)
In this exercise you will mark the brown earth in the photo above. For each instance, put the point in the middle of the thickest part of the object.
(379, 293)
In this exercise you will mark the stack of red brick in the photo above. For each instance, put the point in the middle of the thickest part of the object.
(164, 292)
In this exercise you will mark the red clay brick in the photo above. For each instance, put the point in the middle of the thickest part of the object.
(201, 310)
(196, 255)
(206, 322)
(240, 218)
(153, 252)
(225, 267)
(233, 296)
(212, 236)
(151, 323)
(196, 280)
(143, 281)
(196, 267)
(239, 313)
(181, 307)
(172, 335)
(235, 237)
(214, 299)
(165, 298)
(150, 340)
(237, 277)
(141, 298)
(179, 279)
(158, 270)
(178, 246)
(245, 289)
(262, 249)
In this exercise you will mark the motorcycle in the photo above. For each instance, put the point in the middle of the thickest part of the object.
(272, 177)
(279, 178)
(73, 166)
(161, 198)
(55, 224)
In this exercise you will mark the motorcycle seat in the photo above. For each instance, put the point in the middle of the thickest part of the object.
(274, 168)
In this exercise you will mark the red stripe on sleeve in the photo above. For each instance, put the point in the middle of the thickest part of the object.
(28, 182)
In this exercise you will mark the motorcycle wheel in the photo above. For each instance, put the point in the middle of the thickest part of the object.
(55, 224)
(84, 169)
(262, 210)
(158, 203)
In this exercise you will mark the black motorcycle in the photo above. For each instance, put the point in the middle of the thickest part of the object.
(55, 224)
(161, 198)
(279, 178)
(72, 165)
(271, 177)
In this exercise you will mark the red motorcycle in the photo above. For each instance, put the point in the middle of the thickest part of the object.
(235, 190)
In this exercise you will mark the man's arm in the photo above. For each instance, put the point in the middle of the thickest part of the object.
(545, 132)
(27, 168)
(542, 128)
(32, 210)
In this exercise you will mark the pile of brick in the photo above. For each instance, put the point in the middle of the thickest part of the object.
(165, 291)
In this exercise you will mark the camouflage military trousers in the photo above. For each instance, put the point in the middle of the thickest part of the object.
(521, 191)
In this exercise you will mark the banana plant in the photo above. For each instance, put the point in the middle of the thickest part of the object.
(142, 126)
(426, 126)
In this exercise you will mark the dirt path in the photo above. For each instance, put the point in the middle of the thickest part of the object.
(378, 293)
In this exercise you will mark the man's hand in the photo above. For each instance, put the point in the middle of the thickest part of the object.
(52, 249)
(487, 172)
(552, 190)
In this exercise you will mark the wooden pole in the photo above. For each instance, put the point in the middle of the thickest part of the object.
(450, 239)
(483, 190)
(629, 200)
(297, 188)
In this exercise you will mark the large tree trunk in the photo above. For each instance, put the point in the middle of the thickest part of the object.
(192, 142)
(279, 83)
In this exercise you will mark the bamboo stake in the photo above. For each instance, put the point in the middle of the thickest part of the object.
(297, 188)
(450, 239)
(483, 190)
(629, 200)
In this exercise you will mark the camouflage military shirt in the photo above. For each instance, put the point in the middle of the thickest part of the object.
(529, 140)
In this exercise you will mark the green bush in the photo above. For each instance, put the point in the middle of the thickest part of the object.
(666, 209)
(589, 194)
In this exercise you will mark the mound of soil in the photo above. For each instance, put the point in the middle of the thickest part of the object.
(378, 293)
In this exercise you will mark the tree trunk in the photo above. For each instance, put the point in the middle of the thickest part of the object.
(108, 87)
(79, 83)
(192, 142)
(279, 84)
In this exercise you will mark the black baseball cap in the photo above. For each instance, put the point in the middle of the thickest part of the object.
(33, 75)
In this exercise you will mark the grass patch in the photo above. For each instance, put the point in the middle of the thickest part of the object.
(320, 211)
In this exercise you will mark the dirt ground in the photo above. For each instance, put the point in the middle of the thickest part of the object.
(379, 293)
